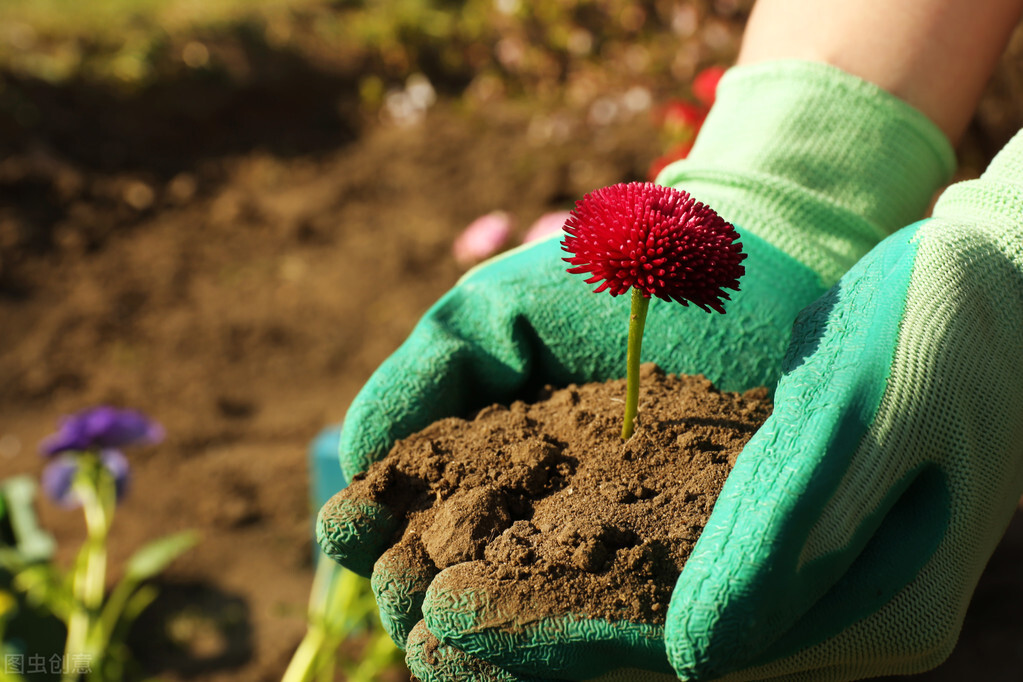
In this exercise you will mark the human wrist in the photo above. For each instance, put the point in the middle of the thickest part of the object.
(937, 55)
(819, 163)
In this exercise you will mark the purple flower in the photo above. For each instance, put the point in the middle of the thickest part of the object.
(102, 428)
(59, 475)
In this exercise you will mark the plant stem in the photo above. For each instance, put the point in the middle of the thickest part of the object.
(304, 663)
(637, 321)
(314, 658)
(90, 571)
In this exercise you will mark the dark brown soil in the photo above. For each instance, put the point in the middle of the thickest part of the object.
(547, 499)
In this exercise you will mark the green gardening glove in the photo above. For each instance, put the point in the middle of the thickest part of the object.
(813, 167)
(851, 534)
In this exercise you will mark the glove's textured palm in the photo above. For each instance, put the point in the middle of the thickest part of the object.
(849, 538)
(812, 166)
(582, 338)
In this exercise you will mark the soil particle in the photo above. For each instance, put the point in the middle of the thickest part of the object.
(463, 524)
(546, 500)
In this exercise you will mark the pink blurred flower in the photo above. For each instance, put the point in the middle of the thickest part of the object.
(482, 238)
(548, 223)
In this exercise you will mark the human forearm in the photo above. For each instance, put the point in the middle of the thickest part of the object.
(937, 55)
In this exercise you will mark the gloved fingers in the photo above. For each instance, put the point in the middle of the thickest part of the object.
(354, 530)
(950, 418)
(433, 375)
(914, 520)
(430, 660)
(778, 542)
(400, 579)
(489, 618)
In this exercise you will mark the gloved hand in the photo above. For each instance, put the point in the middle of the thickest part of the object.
(813, 167)
(851, 534)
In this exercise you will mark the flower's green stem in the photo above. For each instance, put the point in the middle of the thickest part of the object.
(637, 320)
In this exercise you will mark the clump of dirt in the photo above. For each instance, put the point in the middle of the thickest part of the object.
(547, 499)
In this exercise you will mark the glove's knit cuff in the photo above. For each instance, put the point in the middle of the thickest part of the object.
(815, 161)
(993, 202)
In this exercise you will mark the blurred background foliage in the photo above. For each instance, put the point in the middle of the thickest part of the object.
(487, 48)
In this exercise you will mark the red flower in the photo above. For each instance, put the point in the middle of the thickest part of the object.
(680, 119)
(705, 85)
(676, 153)
(657, 239)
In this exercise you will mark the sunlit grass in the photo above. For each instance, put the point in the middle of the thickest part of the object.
(534, 48)
(109, 19)
(118, 39)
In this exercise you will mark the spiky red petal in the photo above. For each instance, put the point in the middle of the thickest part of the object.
(657, 239)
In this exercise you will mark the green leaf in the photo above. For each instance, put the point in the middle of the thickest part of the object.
(11, 560)
(31, 541)
(138, 602)
(44, 585)
(157, 555)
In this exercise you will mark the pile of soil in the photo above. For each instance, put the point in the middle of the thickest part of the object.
(547, 499)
